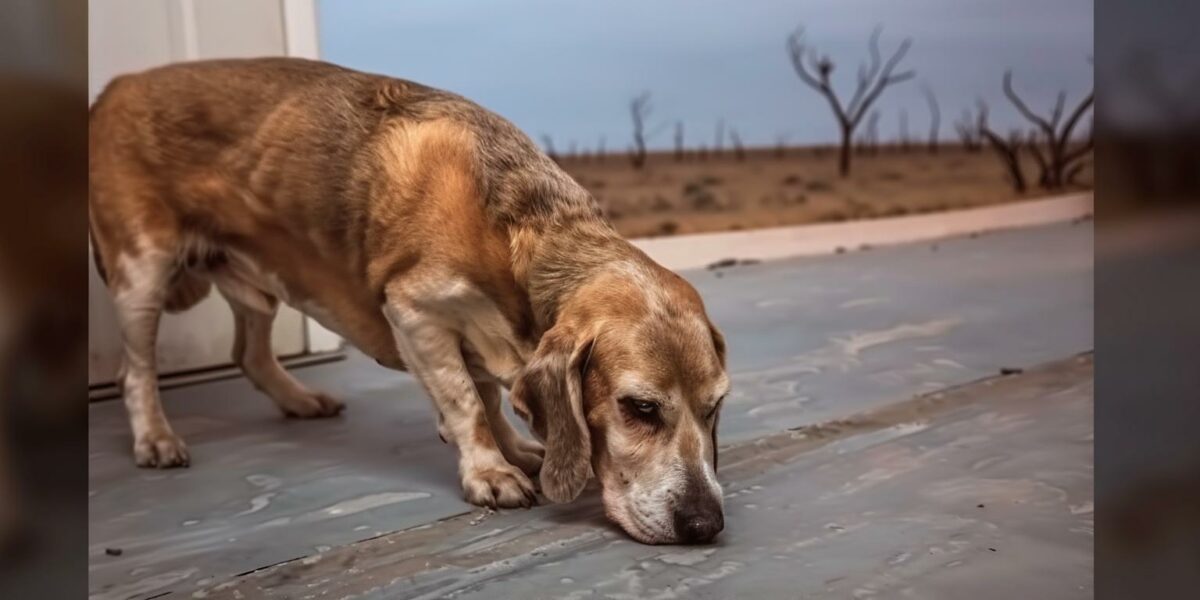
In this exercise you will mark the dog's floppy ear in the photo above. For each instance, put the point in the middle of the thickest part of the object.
(718, 342)
(549, 396)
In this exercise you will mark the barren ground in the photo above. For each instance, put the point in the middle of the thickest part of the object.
(721, 193)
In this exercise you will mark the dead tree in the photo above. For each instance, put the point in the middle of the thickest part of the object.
(678, 141)
(967, 128)
(935, 118)
(1052, 149)
(869, 141)
(739, 151)
(873, 78)
(548, 142)
(904, 139)
(639, 110)
(719, 138)
(1073, 172)
(781, 145)
(1008, 150)
(600, 150)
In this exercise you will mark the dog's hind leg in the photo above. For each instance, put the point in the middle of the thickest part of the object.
(252, 352)
(140, 290)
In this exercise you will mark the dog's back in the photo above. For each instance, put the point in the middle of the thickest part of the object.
(323, 182)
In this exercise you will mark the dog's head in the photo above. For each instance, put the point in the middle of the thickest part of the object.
(628, 385)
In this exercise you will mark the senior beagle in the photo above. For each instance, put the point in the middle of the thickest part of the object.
(434, 236)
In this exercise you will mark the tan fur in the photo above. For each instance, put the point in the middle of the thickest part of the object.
(433, 236)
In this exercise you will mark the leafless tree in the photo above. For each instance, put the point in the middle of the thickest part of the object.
(678, 141)
(739, 151)
(781, 144)
(719, 138)
(1053, 150)
(874, 77)
(1009, 150)
(868, 142)
(600, 150)
(639, 110)
(935, 117)
(572, 149)
(548, 142)
(967, 128)
(904, 139)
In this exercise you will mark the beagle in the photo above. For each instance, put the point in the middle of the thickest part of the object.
(434, 236)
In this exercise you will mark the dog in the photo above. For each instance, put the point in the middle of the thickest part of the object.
(435, 237)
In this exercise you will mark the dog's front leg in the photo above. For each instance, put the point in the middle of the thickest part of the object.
(432, 349)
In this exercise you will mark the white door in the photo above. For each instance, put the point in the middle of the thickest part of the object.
(125, 36)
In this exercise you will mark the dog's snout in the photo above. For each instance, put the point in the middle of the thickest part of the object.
(698, 528)
(699, 517)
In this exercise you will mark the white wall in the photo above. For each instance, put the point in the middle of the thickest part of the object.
(132, 35)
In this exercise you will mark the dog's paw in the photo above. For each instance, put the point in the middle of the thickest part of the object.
(526, 455)
(502, 486)
(160, 449)
(316, 405)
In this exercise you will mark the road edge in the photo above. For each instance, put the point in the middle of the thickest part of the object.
(700, 250)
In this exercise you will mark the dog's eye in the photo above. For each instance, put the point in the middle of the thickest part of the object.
(645, 406)
(642, 409)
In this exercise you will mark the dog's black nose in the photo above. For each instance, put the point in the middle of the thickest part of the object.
(699, 524)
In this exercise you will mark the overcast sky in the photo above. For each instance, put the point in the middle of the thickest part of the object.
(568, 69)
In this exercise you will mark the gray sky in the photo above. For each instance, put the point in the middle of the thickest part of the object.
(568, 69)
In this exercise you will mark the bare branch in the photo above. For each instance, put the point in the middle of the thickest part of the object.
(1023, 108)
(873, 77)
(739, 151)
(935, 117)
(884, 79)
(1076, 115)
(639, 110)
(1007, 150)
(867, 72)
(1049, 143)
(824, 66)
(1057, 112)
(796, 48)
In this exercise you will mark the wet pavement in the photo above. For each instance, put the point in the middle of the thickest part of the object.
(889, 509)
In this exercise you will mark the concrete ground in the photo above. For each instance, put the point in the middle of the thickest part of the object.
(983, 490)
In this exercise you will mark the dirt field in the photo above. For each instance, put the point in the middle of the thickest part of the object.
(722, 193)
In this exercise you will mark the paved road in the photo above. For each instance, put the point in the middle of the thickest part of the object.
(811, 340)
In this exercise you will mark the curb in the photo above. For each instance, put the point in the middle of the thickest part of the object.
(699, 250)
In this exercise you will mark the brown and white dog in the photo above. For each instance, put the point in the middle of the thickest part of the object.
(435, 237)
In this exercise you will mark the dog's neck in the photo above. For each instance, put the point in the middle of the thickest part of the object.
(552, 260)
